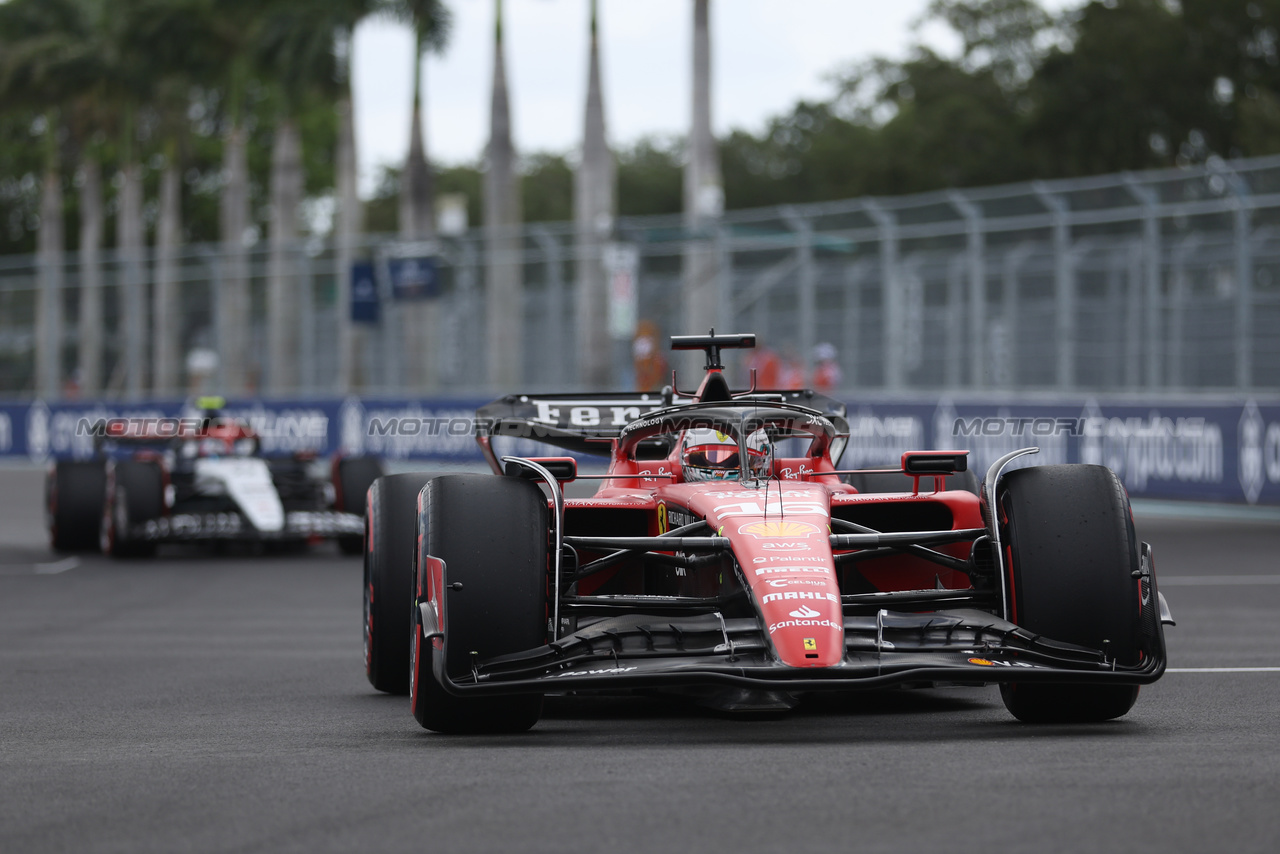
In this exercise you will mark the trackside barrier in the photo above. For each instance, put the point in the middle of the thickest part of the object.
(1220, 450)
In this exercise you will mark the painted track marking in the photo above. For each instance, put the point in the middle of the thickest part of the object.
(52, 568)
(1222, 670)
(1215, 580)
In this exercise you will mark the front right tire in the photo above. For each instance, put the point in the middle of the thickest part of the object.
(491, 532)
(389, 545)
(1072, 559)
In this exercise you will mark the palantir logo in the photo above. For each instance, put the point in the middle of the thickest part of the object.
(1251, 471)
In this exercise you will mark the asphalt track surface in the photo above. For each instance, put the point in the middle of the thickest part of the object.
(200, 703)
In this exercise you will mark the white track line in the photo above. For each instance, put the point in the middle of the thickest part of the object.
(57, 566)
(1215, 580)
(1222, 670)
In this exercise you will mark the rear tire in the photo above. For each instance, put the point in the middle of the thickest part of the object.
(74, 495)
(1072, 552)
(491, 533)
(390, 519)
(136, 496)
(352, 477)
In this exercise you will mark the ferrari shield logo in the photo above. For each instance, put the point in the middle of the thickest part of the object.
(811, 644)
(778, 530)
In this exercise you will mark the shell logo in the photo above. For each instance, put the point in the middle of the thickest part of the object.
(780, 529)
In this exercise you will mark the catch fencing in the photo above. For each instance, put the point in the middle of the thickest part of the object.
(1158, 283)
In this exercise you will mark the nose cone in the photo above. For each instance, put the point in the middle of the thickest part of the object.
(803, 615)
(781, 544)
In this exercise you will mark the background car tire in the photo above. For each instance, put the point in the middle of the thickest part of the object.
(74, 495)
(491, 532)
(352, 477)
(389, 546)
(869, 482)
(136, 496)
(1073, 554)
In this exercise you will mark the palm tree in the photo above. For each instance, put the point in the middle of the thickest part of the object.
(350, 213)
(42, 64)
(504, 292)
(296, 52)
(703, 193)
(594, 211)
(232, 29)
(169, 34)
(431, 22)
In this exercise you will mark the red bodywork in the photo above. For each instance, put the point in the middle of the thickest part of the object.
(779, 535)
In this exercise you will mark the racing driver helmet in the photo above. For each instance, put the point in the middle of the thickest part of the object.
(712, 455)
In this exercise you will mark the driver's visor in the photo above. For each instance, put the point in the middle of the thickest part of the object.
(712, 456)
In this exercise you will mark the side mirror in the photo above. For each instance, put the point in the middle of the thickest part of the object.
(563, 469)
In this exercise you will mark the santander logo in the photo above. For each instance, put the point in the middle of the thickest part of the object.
(804, 612)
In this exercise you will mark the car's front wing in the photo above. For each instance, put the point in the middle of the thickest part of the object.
(231, 525)
(888, 648)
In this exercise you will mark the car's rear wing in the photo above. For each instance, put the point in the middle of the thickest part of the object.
(587, 423)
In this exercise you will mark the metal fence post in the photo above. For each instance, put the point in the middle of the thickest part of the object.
(891, 319)
(553, 259)
(1064, 286)
(1175, 370)
(48, 340)
(1010, 310)
(1241, 234)
(977, 325)
(1151, 279)
(724, 278)
(852, 303)
(307, 375)
(1133, 318)
(807, 284)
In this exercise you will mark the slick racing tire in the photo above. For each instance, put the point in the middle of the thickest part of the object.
(74, 495)
(390, 518)
(135, 494)
(868, 482)
(1072, 556)
(491, 533)
(352, 477)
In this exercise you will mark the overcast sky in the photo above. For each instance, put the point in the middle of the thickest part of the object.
(766, 54)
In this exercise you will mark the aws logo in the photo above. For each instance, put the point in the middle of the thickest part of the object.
(781, 529)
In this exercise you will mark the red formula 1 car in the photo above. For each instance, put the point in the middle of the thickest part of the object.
(725, 556)
(200, 479)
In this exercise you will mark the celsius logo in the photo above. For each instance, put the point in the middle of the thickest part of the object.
(778, 530)
(802, 594)
(795, 582)
(804, 612)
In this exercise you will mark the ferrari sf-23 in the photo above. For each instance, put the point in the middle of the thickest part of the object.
(727, 558)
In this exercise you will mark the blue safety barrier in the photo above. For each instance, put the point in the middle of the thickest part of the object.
(1224, 450)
